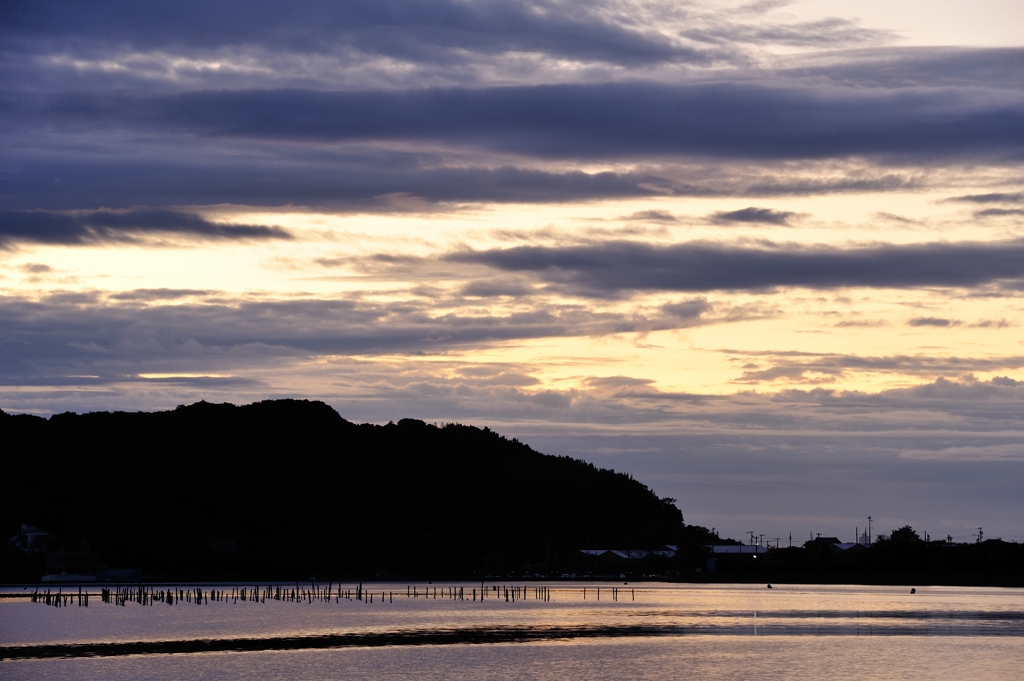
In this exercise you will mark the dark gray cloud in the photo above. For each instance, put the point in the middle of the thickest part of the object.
(484, 288)
(391, 43)
(35, 268)
(618, 382)
(688, 309)
(136, 381)
(994, 197)
(764, 216)
(158, 294)
(829, 32)
(252, 147)
(861, 323)
(804, 365)
(266, 177)
(105, 225)
(609, 120)
(407, 30)
(998, 212)
(652, 216)
(781, 185)
(906, 67)
(992, 324)
(75, 334)
(932, 321)
(611, 268)
(262, 174)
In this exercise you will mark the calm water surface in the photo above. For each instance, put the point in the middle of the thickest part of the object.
(655, 632)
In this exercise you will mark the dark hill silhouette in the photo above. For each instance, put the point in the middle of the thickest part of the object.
(288, 488)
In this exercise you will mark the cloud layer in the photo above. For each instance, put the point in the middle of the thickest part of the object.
(580, 121)
(613, 267)
(771, 264)
(91, 226)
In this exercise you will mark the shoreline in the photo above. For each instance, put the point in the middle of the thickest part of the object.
(923, 580)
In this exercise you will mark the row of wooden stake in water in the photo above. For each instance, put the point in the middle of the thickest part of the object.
(148, 595)
(61, 599)
(615, 593)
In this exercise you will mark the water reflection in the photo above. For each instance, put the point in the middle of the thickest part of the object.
(440, 615)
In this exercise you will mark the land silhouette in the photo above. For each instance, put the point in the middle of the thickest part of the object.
(288, 489)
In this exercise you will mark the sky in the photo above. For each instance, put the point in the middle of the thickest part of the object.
(767, 256)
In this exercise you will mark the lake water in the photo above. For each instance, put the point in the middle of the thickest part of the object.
(650, 631)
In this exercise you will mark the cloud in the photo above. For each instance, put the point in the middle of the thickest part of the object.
(854, 183)
(932, 321)
(992, 324)
(576, 121)
(497, 287)
(158, 294)
(35, 268)
(258, 176)
(800, 366)
(610, 268)
(861, 323)
(402, 43)
(896, 218)
(177, 332)
(652, 216)
(361, 179)
(618, 382)
(913, 67)
(995, 197)
(997, 212)
(819, 33)
(80, 227)
(764, 216)
(688, 309)
(406, 31)
(997, 452)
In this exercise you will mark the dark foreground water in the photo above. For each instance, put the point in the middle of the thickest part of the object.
(645, 631)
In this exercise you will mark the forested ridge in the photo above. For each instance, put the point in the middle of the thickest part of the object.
(288, 488)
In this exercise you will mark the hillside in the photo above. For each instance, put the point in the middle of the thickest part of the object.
(284, 489)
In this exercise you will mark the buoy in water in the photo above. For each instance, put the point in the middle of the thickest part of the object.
(769, 586)
(913, 591)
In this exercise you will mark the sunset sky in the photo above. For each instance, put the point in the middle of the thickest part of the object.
(768, 257)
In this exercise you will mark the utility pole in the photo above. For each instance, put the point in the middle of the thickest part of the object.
(751, 533)
(980, 535)
(869, 530)
(790, 540)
